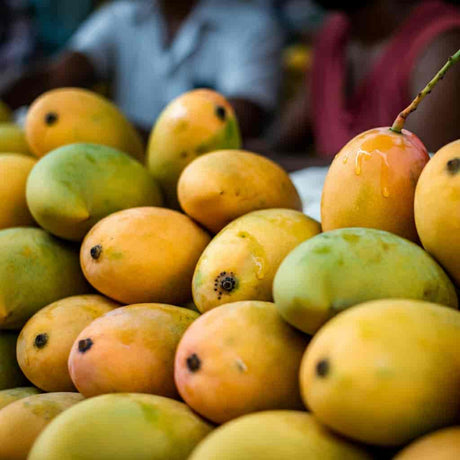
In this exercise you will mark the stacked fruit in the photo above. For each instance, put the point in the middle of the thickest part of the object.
(131, 330)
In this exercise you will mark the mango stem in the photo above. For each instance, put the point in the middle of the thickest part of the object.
(398, 124)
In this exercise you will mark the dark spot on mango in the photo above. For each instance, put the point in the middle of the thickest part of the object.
(184, 154)
(193, 363)
(221, 113)
(84, 345)
(51, 118)
(322, 368)
(40, 341)
(453, 166)
(96, 251)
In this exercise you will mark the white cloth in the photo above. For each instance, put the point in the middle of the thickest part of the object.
(227, 45)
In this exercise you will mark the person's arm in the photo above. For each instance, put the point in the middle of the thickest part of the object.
(436, 120)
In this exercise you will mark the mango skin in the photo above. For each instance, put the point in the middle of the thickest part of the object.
(222, 374)
(394, 363)
(36, 269)
(338, 269)
(437, 208)
(155, 266)
(10, 373)
(371, 183)
(14, 394)
(440, 445)
(132, 351)
(75, 186)
(120, 427)
(22, 421)
(5, 113)
(71, 115)
(13, 139)
(14, 170)
(45, 342)
(247, 253)
(195, 123)
(220, 186)
(276, 435)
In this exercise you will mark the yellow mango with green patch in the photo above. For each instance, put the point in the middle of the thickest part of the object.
(14, 394)
(13, 139)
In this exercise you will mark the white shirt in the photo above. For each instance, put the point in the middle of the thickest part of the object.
(228, 45)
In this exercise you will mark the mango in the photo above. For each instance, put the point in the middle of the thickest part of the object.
(13, 139)
(339, 269)
(14, 394)
(195, 123)
(22, 421)
(14, 170)
(240, 263)
(45, 342)
(221, 186)
(437, 208)
(10, 373)
(371, 183)
(385, 372)
(276, 435)
(5, 113)
(36, 269)
(130, 350)
(440, 445)
(155, 265)
(71, 115)
(121, 427)
(237, 359)
(75, 186)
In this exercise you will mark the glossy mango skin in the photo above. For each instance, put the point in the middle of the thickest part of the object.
(143, 255)
(247, 254)
(437, 208)
(341, 268)
(71, 115)
(14, 394)
(276, 435)
(139, 341)
(120, 427)
(385, 372)
(195, 123)
(371, 183)
(13, 139)
(45, 341)
(221, 186)
(237, 359)
(14, 170)
(10, 373)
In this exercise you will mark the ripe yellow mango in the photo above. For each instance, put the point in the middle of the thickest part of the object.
(10, 373)
(45, 342)
(195, 123)
(437, 208)
(240, 263)
(121, 427)
(13, 139)
(14, 394)
(385, 372)
(70, 115)
(14, 170)
(221, 186)
(341, 268)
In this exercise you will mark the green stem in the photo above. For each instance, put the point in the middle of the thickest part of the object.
(398, 124)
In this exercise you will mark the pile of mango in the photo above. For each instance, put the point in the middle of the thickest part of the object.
(173, 302)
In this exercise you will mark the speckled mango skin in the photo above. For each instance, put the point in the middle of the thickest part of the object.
(14, 170)
(341, 268)
(75, 186)
(36, 269)
(224, 185)
(276, 435)
(143, 255)
(14, 394)
(237, 359)
(45, 341)
(440, 445)
(70, 115)
(10, 373)
(385, 372)
(120, 427)
(23, 420)
(13, 139)
(247, 253)
(371, 183)
(437, 208)
(195, 123)
(132, 351)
